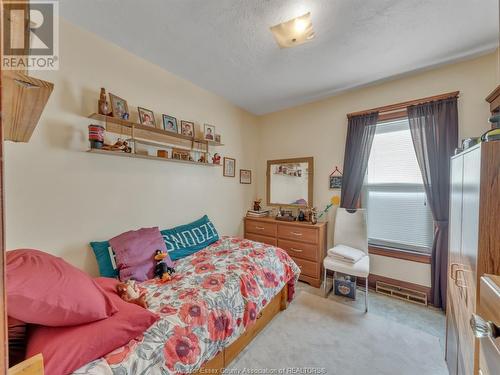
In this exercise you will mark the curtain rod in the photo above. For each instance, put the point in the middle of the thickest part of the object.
(403, 105)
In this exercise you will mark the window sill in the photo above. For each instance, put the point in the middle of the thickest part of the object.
(399, 254)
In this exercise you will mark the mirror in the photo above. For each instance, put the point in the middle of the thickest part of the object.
(290, 182)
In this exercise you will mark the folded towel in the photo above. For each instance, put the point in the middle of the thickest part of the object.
(346, 253)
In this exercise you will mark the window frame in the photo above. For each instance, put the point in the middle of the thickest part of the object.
(392, 251)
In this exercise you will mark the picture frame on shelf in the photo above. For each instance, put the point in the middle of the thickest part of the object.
(229, 167)
(208, 132)
(119, 106)
(245, 176)
(146, 117)
(217, 138)
(187, 128)
(181, 154)
(170, 124)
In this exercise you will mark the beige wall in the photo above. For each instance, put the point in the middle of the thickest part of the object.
(58, 197)
(319, 130)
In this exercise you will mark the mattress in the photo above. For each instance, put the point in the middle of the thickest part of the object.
(214, 296)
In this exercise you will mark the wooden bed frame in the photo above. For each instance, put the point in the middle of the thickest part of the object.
(227, 355)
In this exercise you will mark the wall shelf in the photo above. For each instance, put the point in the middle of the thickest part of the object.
(165, 145)
(136, 130)
(148, 157)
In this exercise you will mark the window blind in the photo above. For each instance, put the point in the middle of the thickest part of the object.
(397, 212)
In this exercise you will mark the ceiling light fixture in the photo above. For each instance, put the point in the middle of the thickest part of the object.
(294, 32)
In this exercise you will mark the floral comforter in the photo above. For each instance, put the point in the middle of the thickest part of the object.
(213, 297)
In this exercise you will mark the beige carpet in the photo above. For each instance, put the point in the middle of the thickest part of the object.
(337, 339)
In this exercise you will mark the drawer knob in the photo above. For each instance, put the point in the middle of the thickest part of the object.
(482, 328)
(260, 228)
(296, 250)
(296, 233)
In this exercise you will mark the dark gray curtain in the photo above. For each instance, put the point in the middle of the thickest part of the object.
(434, 130)
(360, 133)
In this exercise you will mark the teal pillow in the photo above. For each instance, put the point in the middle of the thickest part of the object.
(187, 239)
(105, 258)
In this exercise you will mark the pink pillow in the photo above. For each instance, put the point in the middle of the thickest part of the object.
(135, 251)
(44, 289)
(66, 349)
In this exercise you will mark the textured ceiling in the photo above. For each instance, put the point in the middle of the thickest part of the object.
(225, 46)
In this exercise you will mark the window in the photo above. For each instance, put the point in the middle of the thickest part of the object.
(397, 212)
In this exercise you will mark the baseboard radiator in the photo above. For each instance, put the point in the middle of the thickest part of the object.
(405, 294)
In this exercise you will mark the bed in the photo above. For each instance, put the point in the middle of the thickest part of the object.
(217, 301)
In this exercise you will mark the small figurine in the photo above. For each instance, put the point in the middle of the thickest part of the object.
(216, 158)
(162, 270)
(302, 216)
(202, 159)
(102, 104)
(125, 116)
(314, 217)
(256, 205)
(120, 145)
(129, 292)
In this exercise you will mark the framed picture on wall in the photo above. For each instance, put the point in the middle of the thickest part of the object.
(335, 179)
(335, 182)
(229, 167)
(245, 176)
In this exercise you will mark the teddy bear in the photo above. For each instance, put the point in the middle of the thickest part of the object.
(129, 292)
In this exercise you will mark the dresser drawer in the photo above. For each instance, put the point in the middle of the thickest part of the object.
(308, 268)
(299, 249)
(263, 239)
(260, 227)
(296, 233)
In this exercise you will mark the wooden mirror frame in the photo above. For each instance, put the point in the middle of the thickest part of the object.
(310, 182)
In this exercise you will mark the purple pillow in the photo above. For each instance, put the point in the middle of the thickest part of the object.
(135, 251)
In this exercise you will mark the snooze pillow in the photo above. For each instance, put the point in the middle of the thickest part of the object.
(44, 289)
(135, 251)
(187, 239)
(66, 349)
(105, 257)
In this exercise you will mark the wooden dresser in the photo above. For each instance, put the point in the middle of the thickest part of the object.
(304, 242)
(489, 311)
(474, 248)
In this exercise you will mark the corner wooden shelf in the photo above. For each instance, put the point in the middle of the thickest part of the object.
(148, 157)
(23, 101)
(149, 133)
